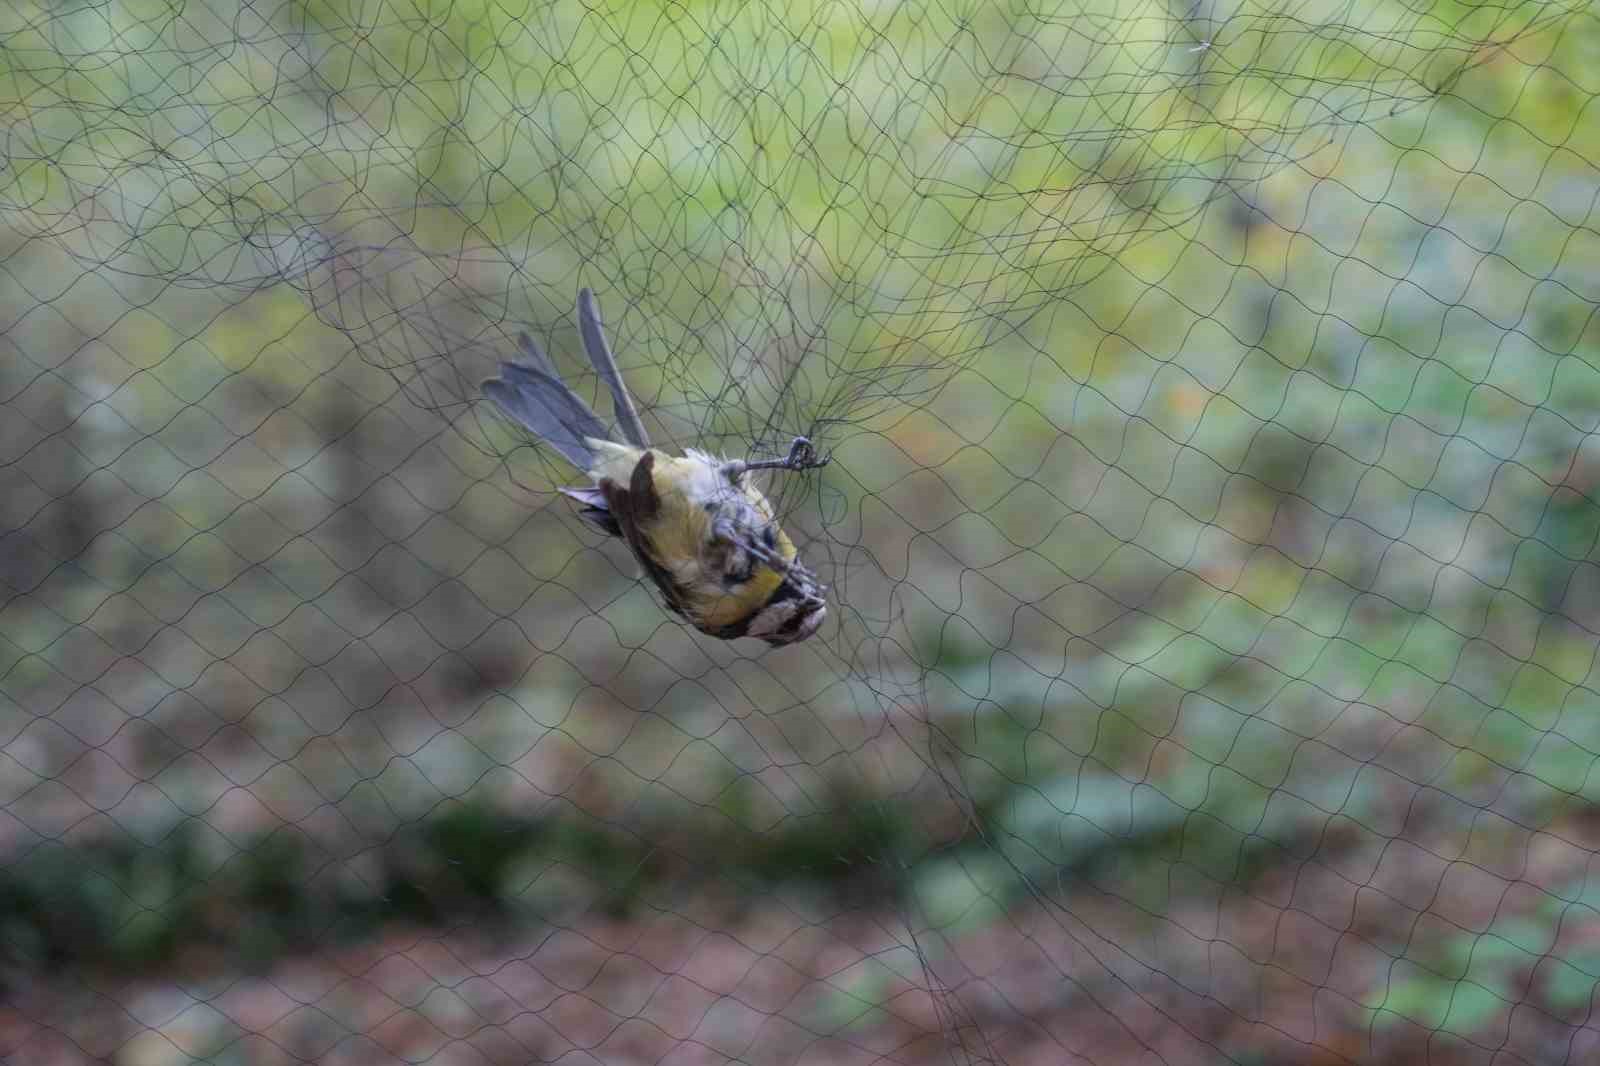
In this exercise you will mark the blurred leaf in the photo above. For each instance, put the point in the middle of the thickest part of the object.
(964, 892)
(1568, 987)
(1471, 1008)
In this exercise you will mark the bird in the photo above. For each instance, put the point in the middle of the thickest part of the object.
(705, 535)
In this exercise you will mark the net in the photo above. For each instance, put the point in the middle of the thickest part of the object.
(1211, 524)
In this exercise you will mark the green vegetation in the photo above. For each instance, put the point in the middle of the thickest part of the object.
(1212, 524)
(115, 904)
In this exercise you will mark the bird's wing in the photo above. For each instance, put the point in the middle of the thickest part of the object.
(534, 394)
(594, 342)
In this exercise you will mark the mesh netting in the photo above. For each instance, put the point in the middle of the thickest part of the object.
(1211, 531)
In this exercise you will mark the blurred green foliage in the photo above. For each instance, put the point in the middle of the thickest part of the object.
(111, 903)
(1214, 499)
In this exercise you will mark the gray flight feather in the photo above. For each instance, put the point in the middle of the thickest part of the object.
(535, 354)
(594, 342)
(534, 394)
(596, 511)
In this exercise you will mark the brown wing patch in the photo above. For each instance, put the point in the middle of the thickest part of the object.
(642, 488)
(635, 504)
(632, 506)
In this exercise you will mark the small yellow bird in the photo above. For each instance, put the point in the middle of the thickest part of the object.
(704, 534)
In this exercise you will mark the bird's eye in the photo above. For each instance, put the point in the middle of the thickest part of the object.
(769, 537)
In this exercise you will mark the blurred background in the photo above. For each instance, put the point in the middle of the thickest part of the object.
(1210, 675)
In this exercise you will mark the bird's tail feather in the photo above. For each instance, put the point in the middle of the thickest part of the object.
(533, 393)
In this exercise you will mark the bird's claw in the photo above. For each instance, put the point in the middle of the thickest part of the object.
(803, 455)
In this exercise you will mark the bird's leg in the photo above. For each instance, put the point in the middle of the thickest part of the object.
(802, 456)
(792, 569)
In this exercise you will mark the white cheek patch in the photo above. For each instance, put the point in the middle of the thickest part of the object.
(810, 625)
(770, 619)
